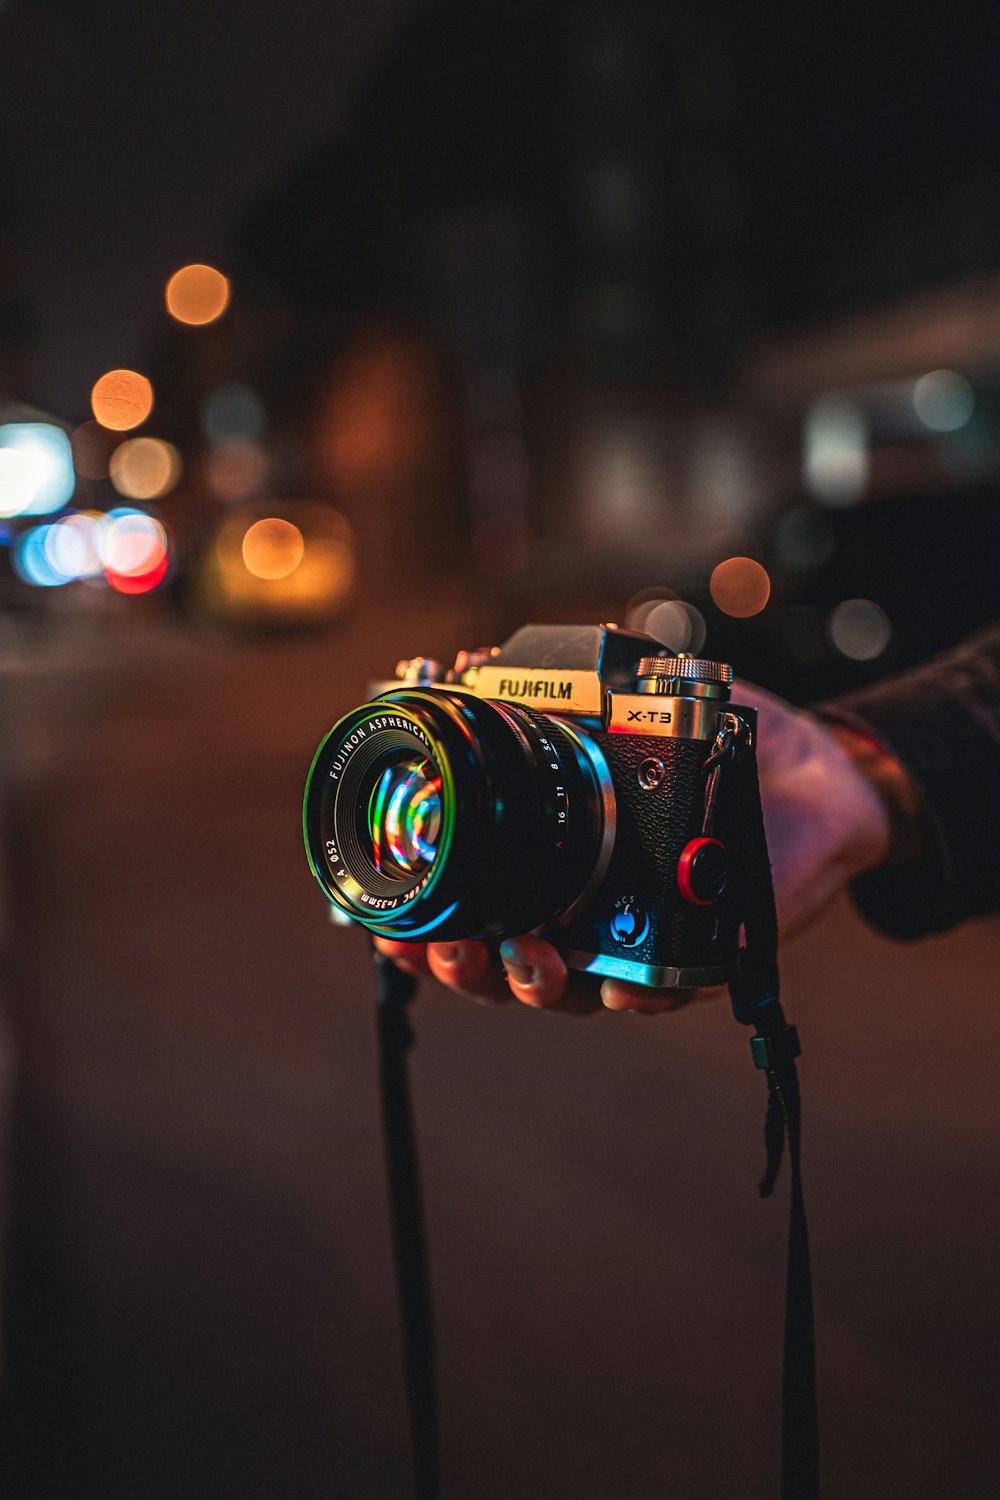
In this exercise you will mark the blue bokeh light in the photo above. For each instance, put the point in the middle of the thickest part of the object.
(31, 561)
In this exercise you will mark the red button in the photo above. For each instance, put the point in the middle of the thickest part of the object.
(702, 871)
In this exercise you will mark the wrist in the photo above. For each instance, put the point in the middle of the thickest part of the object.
(899, 838)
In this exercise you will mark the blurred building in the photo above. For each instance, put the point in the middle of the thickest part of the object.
(17, 327)
(543, 308)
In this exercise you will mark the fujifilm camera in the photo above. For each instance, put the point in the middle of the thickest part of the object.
(572, 782)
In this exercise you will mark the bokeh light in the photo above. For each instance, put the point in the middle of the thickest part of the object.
(273, 548)
(740, 587)
(130, 542)
(943, 400)
(859, 628)
(145, 468)
(836, 460)
(121, 399)
(197, 294)
(134, 550)
(315, 588)
(673, 622)
(128, 546)
(232, 411)
(17, 482)
(640, 604)
(138, 583)
(71, 545)
(31, 562)
(36, 468)
(677, 625)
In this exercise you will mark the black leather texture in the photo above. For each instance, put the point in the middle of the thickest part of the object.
(653, 827)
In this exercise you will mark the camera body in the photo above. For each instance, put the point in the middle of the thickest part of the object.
(572, 782)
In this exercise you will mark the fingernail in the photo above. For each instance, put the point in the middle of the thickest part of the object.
(610, 998)
(513, 962)
(449, 953)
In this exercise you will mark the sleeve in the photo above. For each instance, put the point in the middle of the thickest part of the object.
(942, 723)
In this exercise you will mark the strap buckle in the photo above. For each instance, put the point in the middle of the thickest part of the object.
(777, 1051)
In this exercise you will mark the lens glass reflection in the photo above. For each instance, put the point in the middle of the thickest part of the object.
(404, 816)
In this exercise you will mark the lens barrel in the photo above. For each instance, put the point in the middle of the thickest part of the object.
(434, 815)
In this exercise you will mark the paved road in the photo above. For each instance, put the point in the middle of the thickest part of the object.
(200, 1304)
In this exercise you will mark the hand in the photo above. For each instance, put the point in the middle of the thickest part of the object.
(530, 970)
(826, 799)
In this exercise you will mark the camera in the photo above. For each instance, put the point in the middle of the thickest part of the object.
(572, 782)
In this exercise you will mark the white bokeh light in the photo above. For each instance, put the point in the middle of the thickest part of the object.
(36, 469)
(859, 628)
(836, 460)
(943, 400)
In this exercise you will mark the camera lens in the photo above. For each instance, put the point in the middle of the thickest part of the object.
(434, 814)
(404, 815)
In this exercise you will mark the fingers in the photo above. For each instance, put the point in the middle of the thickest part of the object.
(526, 969)
(410, 957)
(534, 973)
(468, 967)
(616, 994)
(537, 976)
(531, 971)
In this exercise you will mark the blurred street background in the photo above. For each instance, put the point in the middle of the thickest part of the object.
(334, 336)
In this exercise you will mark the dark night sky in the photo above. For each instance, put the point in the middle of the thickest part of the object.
(133, 133)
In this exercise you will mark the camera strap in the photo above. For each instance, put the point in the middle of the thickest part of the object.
(754, 990)
(774, 1045)
(409, 1241)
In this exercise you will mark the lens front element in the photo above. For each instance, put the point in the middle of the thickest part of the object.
(404, 816)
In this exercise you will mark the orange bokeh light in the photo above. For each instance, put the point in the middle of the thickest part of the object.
(273, 548)
(740, 587)
(122, 399)
(197, 294)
